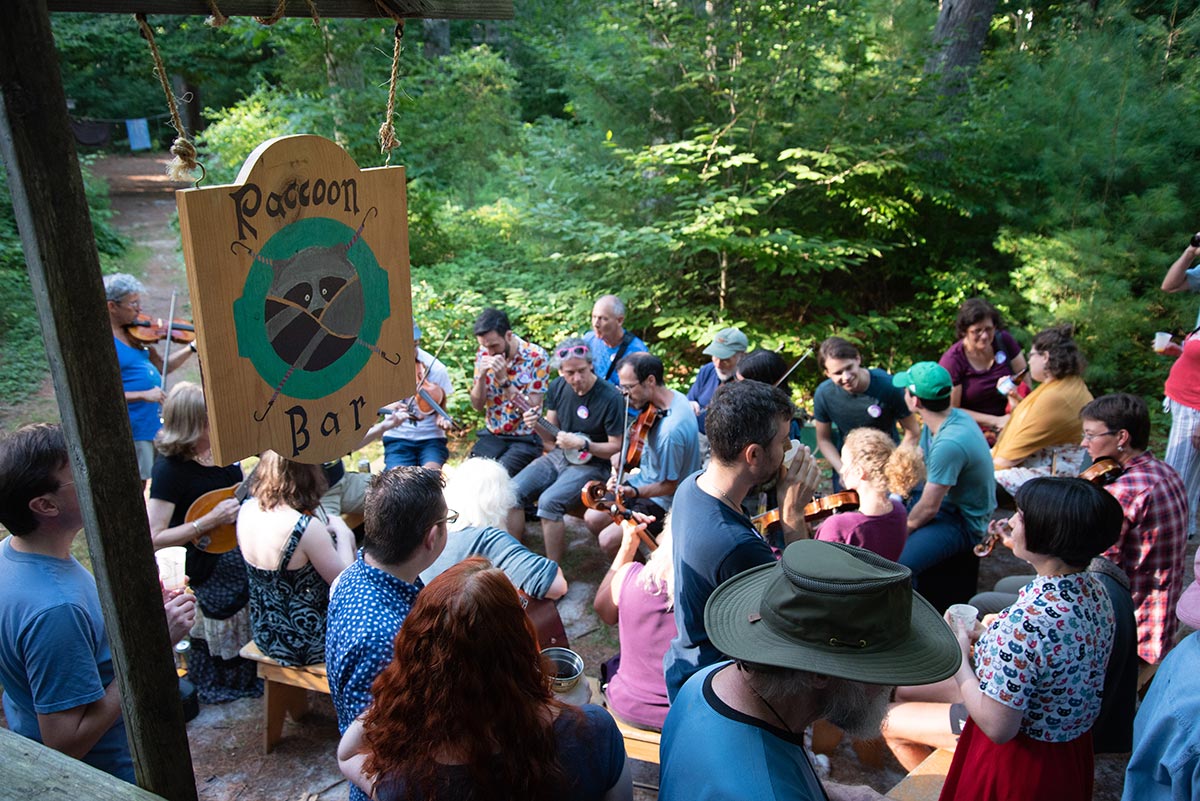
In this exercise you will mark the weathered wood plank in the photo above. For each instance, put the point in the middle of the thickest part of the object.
(31, 770)
(411, 9)
(38, 151)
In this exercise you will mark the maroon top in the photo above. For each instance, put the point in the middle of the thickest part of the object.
(979, 393)
(884, 534)
(638, 693)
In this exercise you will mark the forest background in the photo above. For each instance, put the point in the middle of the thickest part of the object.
(795, 170)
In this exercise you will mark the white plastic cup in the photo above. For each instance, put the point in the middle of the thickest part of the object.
(1161, 341)
(790, 456)
(963, 616)
(171, 567)
(1006, 385)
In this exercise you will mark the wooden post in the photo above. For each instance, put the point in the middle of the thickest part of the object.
(38, 150)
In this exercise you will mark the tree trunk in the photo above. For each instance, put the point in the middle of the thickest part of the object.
(958, 40)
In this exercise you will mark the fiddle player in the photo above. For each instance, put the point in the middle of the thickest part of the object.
(420, 439)
(141, 366)
(590, 414)
(671, 449)
(506, 365)
(714, 540)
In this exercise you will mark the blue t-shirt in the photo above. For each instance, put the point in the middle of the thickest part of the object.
(591, 754)
(881, 406)
(603, 354)
(959, 458)
(54, 652)
(702, 390)
(712, 543)
(712, 752)
(672, 450)
(529, 571)
(138, 374)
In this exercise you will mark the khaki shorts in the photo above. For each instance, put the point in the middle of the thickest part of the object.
(347, 496)
(144, 449)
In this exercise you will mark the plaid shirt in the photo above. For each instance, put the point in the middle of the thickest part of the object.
(529, 373)
(1151, 548)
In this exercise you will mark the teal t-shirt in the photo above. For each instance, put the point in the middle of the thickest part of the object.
(959, 458)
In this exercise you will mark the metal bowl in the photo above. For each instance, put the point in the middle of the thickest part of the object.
(566, 668)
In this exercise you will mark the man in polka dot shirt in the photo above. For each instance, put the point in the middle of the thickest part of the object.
(405, 531)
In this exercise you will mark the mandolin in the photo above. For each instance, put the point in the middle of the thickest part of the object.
(223, 538)
(574, 455)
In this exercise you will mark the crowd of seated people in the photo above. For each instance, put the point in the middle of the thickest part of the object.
(433, 665)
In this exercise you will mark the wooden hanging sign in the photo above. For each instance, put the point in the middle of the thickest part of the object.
(300, 293)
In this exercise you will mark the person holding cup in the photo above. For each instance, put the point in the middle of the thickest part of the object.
(466, 704)
(1042, 436)
(1031, 681)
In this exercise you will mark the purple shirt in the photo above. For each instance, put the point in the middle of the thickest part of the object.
(638, 693)
(979, 393)
(884, 534)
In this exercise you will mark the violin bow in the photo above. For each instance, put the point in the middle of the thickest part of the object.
(167, 352)
(792, 369)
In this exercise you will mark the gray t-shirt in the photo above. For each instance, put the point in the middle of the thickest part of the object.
(881, 406)
(673, 449)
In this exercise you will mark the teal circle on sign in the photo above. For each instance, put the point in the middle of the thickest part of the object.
(318, 246)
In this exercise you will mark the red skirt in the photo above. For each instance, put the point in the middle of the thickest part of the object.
(1023, 769)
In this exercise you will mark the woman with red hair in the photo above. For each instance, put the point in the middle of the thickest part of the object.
(465, 711)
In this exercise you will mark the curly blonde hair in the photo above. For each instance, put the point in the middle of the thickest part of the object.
(882, 463)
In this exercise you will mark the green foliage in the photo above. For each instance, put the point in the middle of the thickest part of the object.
(22, 350)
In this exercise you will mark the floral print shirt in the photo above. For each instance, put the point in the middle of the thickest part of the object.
(528, 374)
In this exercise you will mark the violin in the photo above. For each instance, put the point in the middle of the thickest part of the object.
(823, 507)
(639, 432)
(148, 329)
(595, 495)
(1103, 472)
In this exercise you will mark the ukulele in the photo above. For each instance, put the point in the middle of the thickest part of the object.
(544, 426)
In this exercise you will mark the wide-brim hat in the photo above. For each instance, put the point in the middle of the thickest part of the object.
(835, 610)
(1188, 609)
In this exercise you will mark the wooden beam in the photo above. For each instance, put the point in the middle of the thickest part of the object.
(409, 9)
(31, 770)
(38, 151)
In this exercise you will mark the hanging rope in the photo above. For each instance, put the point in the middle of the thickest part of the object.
(184, 164)
(276, 15)
(216, 19)
(387, 131)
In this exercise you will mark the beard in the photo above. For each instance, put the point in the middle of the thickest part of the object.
(856, 708)
(723, 375)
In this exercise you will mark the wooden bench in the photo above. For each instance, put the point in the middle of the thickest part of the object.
(285, 690)
(926, 780)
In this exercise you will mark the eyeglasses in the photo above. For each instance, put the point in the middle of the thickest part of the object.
(450, 519)
(135, 305)
(1089, 437)
(573, 350)
(627, 388)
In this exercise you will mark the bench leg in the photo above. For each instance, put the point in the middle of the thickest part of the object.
(280, 700)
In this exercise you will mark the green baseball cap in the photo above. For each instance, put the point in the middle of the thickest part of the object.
(925, 380)
(727, 342)
(836, 610)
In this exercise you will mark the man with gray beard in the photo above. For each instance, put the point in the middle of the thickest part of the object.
(823, 634)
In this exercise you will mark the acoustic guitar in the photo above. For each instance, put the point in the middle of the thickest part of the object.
(574, 455)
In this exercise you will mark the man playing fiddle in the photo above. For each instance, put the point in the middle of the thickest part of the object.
(505, 366)
(420, 439)
(583, 423)
(141, 366)
(670, 451)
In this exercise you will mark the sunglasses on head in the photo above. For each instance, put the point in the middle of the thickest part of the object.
(573, 350)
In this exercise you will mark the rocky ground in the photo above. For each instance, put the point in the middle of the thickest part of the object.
(226, 740)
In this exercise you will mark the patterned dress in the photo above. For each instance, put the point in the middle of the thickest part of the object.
(287, 607)
(1046, 657)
